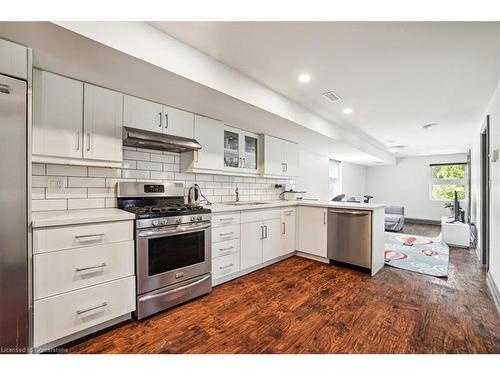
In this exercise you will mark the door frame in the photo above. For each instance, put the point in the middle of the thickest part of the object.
(485, 192)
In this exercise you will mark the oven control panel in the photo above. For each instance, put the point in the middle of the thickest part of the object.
(154, 188)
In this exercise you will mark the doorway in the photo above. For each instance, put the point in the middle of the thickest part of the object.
(485, 193)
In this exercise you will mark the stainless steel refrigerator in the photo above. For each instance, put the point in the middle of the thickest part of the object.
(14, 271)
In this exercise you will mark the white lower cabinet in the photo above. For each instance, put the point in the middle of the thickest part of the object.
(68, 313)
(225, 265)
(271, 244)
(83, 277)
(252, 235)
(312, 230)
(288, 232)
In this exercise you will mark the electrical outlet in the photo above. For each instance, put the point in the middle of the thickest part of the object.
(56, 184)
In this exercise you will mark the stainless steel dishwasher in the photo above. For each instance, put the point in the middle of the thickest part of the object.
(350, 236)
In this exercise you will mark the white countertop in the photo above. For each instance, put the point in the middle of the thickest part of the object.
(67, 217)
(223, 207)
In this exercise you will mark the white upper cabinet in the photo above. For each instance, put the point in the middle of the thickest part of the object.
(103, 119)
(281, 157)
(210, 134)
(57, 115)
(142, 114)
(241, 151)
(13, 59)
(178, 122)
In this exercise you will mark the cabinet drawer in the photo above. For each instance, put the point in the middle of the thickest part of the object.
(225, 265)
(287, 212)
(62, 271)
(259, 215)
(225, 247)
(226, 219)
(225, 233)
(65, 314)
(71, 236)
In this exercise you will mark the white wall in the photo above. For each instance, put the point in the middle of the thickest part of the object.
(313, 177)
(407, 184)
(494, 111)
(353, 180)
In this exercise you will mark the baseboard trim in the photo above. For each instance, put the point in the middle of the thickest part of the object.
(493, 291)
(422, 221)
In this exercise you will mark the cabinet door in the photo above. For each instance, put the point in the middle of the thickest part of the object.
(232, 147)
(271, 247)
(178, 122)
(57, 115)
(287, 230)
(251, 236)
(210, 134)
(102, 124)
(273, 156)
(250, 152)
(312, 230)
(291, 156)
(142, 114)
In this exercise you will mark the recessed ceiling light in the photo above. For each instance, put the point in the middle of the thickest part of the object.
(396, 149)
(347, 111)
(304, 77)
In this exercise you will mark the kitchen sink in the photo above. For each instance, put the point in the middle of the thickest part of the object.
(245, 203)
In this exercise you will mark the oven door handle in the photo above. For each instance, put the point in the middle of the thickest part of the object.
(175, 230)
(176, 290)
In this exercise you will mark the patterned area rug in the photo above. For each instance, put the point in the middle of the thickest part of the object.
(416, 253)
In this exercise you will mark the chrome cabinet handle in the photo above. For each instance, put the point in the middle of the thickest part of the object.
(226, 248)
(88, 237)
(77, 141)
(161, 294)
(90, 267)
(159, 125)
(226, 219)
(88, 143)
(350, 212)
(288, 212)
(242, 162)
(104, 304)
(197, 157)
(265, 228)
(226, 234)
(226, 266)
(284, 228)
(261, 232)
(4, 89)
(324, 217)
(166, 120)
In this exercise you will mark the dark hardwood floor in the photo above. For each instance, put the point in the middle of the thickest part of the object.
(302, 306)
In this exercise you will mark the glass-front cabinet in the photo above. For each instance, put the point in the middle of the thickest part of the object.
(241, 151)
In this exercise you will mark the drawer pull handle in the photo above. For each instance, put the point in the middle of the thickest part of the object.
(104, 304)
(89, 237)
(288, 212)
(90, 267)
(226, 266)
(226, 234)
(226, 248)
(227, 219)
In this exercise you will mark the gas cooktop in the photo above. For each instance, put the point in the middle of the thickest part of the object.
(148, 212)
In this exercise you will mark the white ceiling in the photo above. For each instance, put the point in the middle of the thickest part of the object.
(395, 76)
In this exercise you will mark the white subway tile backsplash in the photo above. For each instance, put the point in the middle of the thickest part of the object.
(86, 182)
(133, 173)
(66, 170)
(79, 204)
(136, 155)
(163, 158)
(150, 166)
(162, 175)
(95, 187)
(38, 169)
(67, 193)
(49, 204)
(104, 172)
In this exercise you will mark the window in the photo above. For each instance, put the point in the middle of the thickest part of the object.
(335, 184)
(446, 179)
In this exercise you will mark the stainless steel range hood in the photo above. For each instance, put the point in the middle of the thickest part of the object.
(157, 141)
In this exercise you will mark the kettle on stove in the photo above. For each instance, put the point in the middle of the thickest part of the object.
(194, 195)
